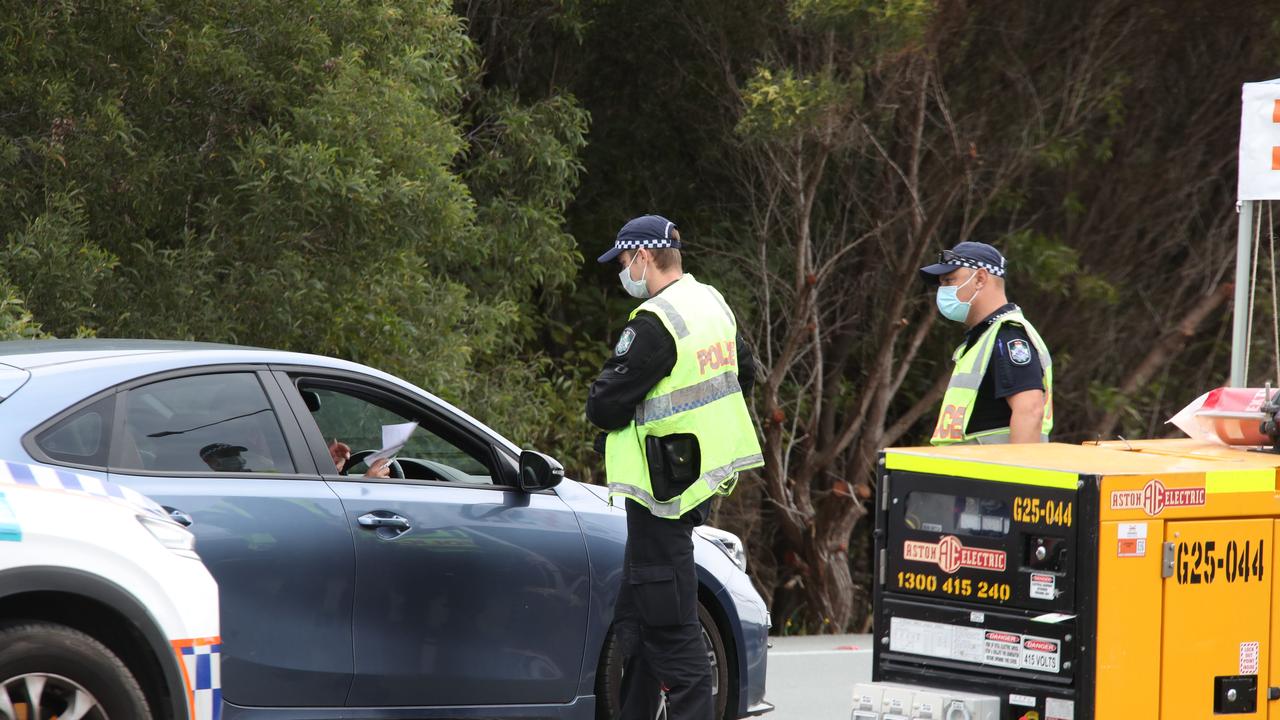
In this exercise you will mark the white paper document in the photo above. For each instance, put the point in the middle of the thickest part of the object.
(394, 437)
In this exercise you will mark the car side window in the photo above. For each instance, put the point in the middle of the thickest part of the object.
(83, 437)
(221, 422)
(432, 453)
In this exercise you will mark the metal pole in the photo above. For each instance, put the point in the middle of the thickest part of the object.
(1240, 328)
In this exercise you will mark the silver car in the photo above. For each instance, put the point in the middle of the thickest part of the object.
(473, 582)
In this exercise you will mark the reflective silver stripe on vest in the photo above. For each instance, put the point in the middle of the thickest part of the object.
(715, 476)
(671, 508)
(972, 380)
(668, 509)
(673, 317)
(688, 398)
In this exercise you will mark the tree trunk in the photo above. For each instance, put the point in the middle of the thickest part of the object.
(1164, 350)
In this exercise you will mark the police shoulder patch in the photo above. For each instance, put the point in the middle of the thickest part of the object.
(1019, 352)
(624, 342)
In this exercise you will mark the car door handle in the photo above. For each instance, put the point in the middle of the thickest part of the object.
(385, 520)
(178, 516)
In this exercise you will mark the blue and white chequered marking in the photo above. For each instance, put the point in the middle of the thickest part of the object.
(202, 670)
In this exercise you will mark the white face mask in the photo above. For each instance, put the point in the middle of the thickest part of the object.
(635, 288)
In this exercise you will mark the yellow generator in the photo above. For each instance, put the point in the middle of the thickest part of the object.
(1068, 582)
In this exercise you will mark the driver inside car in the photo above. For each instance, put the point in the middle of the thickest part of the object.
(341, 452)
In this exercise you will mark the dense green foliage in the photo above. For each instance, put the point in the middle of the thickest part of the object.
(320, 176)
(413, 185)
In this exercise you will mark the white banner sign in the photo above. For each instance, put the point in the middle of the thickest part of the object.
(1260, 141)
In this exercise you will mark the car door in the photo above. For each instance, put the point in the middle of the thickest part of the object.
(470, 591)
(221, 447)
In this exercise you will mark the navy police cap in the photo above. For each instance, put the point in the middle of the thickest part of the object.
(646, 231)
(976, 255)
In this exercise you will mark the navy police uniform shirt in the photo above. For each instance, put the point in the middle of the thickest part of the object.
(1014, 367)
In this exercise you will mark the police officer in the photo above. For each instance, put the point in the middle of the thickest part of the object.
(678, 432)
(1001, 390)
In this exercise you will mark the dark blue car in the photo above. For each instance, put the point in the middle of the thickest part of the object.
(473, 583)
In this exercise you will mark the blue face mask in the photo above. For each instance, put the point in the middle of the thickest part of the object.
(950, 306)
(635, 288)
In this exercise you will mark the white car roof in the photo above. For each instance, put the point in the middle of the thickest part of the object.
(27, 357)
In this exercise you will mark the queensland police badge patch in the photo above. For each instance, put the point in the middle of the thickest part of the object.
(1019, 352)
(624, 342)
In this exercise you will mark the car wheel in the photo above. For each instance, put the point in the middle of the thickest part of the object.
(609, 678)
(52, 671)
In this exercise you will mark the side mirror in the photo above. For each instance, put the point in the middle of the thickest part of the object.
(538, 472)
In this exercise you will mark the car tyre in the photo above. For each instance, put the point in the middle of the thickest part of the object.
(68, 673)
(609, 677)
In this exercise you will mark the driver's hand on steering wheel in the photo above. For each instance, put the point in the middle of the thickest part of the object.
(381, 468)
(340, 452)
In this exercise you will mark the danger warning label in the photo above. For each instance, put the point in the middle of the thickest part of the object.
(1003, 650)
(1043, 586)
(997, 648)
(1040, 654)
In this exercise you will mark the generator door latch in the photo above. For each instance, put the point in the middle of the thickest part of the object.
(1273, 693)
(1235, 694)
(1166, 564)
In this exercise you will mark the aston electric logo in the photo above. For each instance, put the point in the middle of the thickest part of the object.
(1154, 497)
(949, 554)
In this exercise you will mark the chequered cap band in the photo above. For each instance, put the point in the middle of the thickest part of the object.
(975, 264)
(651, 243)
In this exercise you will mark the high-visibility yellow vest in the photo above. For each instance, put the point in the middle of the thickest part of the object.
(700, 397)
(971, 365)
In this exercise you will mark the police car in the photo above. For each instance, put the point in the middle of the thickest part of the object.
(106, 612)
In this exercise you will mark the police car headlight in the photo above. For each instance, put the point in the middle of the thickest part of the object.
(171, 535)
(728, 542)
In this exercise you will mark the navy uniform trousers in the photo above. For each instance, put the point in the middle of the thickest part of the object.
(657, 620)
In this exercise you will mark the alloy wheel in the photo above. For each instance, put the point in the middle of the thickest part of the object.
(44, 696)
(715, 663)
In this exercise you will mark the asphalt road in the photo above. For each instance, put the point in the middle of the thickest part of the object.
(812, 678)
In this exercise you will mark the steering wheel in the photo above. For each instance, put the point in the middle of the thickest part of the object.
(358, 457)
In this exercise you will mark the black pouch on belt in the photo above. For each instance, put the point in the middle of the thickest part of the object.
(674, 463)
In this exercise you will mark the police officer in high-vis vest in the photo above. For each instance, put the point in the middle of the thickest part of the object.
(1001, 390)
(671, 399)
